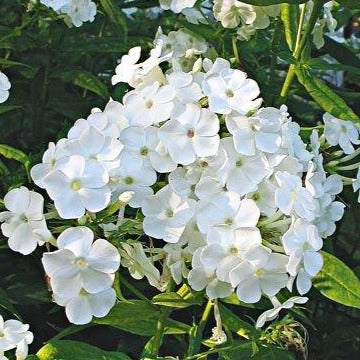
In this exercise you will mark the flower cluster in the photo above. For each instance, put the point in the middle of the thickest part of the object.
(76, 11)
(14, 335)
(242, 202)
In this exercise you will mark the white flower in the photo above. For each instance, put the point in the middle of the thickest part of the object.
(55, 4)
(12, 333)
(166, 215)
(81, 307)
(133, 257)
(140, 74)
(329, 212)
(271, 314)
(143, 147)
(261, 272)
(260, 131)
(24, 224)
(150, 105)
(49, 159)
(176, 5)
(80, 11)
(302, 242)
(81, 263)
(184, 182)
(291, 197)
(264, 197)
(109, 122)
(133, 177)
(228, 210)
(95, 146)
(226, 248)
(194, 134)
(4, 87)
(228, 89)
(263, 14)
(203, 276)
(232, 12)
(186, 90)
(242, 173)
(76, 184)
(340, 132)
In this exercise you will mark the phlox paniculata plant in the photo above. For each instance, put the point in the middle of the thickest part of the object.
(233, 199)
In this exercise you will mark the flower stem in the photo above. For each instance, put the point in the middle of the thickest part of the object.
(235, 49)
(350, 156)
(300, 44)
(349, 167)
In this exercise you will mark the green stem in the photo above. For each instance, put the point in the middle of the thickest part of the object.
(133, 289)
(235, 49)
(160, 326)
(301, 41)
(350, 156)
(349, 167)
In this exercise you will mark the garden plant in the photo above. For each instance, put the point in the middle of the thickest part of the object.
(179, 179)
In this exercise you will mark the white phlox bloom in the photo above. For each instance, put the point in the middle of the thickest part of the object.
(77, 185)
(93, 145)
(230, 90)
(261, 272)
(203, 276)
(242, 174)
(232, 12)
(226, 248)
(109, 122)
(187, 91)
(143, 146)
(260, 131)
(227, 209)
(292, 198)
(133, 177)
(5, 85)
(24, 222)
(81, 307)
(264, 197)
(194, 134)
(340, 132)
(302, 243)
(166, 214)
(81, 263)
(271, 314)
(176, 5)
(78, 11)
(150, 105)
(133, 257)
(137, 74)
(13, 332)
(49, 159)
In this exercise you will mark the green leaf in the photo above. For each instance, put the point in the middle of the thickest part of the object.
(116, 16)
(324, 65)
(6, 108)
(235, 324)
(337, 282)
(289, 17)
(324, 96)
(140, 318)
(340, 52)
(88, 81)
(74, 350)
(6, 303)
(175, 300)
(14, 154)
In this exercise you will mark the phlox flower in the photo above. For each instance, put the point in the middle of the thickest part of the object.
(5, 85)
(166, 214)
(302, 243)
(77, 185)
(261, 272)
(176, 5)
(194, 134)
(24, 223)
(226, 247)
(81, 263)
